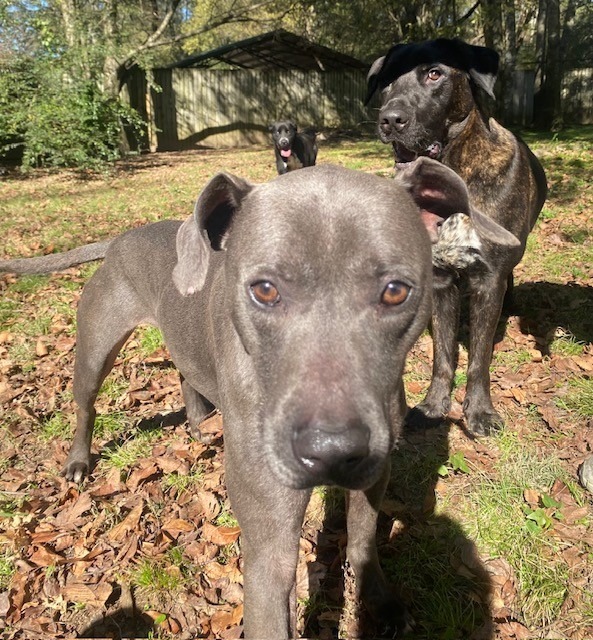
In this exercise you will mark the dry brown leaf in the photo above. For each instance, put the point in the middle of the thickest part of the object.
(222, 620)
(220, 535)
(93, 595)
(130, 522)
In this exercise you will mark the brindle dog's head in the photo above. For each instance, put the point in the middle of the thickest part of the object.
(426, 89)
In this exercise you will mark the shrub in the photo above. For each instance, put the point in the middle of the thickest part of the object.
(59, 122)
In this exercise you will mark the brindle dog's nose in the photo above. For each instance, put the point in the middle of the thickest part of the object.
(394, 120)
(331, 455)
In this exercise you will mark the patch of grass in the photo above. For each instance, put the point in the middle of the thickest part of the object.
(23, 354)
(567, 346)
(57, 426)
(495, 516)
(579, 397)
(113, 388)
(124, 456)
(443, 597)
(226, 519)
(111, 424)
(180, 483)
(150, 339)
(28, 285)
(512, 359)
(7, 570)
(155, 577)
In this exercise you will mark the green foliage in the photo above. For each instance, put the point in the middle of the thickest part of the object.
(59, 122)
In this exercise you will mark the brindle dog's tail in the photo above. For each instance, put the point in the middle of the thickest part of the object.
(56, 261)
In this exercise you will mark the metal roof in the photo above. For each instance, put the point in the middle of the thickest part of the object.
(278, 49)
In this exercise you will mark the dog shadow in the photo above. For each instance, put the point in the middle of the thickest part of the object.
(544, 307)
(427, 558)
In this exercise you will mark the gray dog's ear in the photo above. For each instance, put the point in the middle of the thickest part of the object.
(439, 191)
(206, 230)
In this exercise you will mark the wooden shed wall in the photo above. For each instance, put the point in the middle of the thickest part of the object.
(228, 108)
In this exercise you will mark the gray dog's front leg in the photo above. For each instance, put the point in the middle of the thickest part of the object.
(371, 586)
(270, 517)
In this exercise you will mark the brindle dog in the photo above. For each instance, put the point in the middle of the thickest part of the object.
(431, 106)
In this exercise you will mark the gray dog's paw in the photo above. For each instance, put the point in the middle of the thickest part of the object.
(76, 471)
(586, 474)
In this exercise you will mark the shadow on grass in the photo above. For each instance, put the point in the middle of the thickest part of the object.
(426, 556)
(543, 307)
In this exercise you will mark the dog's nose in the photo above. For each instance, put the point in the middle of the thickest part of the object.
(331, 456)
(394, 120)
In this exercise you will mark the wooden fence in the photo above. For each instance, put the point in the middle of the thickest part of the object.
(192, 108)
(187, 108)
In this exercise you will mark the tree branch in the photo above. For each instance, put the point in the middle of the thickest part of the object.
(154, 40)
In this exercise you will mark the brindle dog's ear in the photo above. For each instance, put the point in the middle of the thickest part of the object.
(439, 193)
(485, 68)
(373, 78)
(206, 230)
(482, 64)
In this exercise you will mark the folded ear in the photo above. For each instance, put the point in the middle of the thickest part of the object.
(439, 193)
(206, 230)
(483, 67)
(373, 78)
(435, 188)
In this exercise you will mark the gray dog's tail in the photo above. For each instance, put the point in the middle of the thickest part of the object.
(56, 261)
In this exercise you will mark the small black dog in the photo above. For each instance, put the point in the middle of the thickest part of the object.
(293, 150)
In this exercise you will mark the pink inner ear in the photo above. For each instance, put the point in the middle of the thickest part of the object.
(426, 193)
(431, 222)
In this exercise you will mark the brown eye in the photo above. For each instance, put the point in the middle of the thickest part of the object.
(395, 293)
(434, 75)
(265, 293)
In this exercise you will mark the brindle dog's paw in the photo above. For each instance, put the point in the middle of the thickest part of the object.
(204, 438)
(392, 618)
(76, 471)
(484, 423)
(424, 417)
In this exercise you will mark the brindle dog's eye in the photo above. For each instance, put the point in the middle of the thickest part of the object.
(265, 293)
(434, 74)
(395, 293)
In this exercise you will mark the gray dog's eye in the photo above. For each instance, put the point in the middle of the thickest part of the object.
(395, 293)
(434, 74)
(265, 293)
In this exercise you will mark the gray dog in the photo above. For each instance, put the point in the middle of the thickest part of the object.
(290, 306)
(430, 106)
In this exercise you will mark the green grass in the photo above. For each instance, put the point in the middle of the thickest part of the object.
(579, 397)
(496, 517)
(155, 577)
(180, 483)
(150, 339)
(7, 570)
(57, 426)
(123, 456)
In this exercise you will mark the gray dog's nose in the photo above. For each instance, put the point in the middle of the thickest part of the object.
(331, 455)
(394, 120)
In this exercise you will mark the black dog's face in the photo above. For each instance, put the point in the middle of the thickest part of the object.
(426, 88)
(283, 134)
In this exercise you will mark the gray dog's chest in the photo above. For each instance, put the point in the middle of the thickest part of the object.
(458, 247)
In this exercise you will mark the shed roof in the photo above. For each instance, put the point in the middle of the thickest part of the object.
(278, 49)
